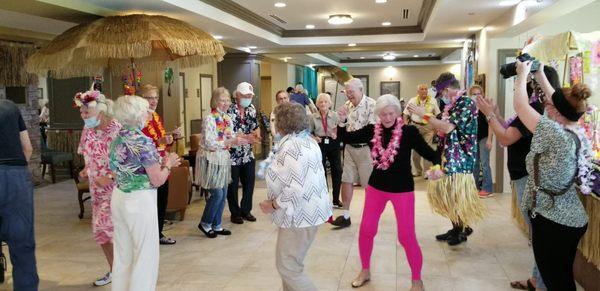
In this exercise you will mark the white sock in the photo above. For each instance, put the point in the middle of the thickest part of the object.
(207, 227)
(346, 214)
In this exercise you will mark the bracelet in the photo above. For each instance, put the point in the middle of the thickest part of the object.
(426, 117)
(273, 204)
(490, 117)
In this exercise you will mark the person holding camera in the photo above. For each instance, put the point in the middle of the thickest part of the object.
(559, 159)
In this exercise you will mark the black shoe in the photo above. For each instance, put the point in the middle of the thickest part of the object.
(237, 220)
(467, 231)
(338, 204)
(457, 238)
(341, 222)
(249, 217)
(210, 234)
(223, 232)
(445, 236)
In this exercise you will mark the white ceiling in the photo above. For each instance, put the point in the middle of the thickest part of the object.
(366, 13)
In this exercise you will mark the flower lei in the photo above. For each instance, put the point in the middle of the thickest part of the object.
(223, 122)
(427, 103)
(446, 114)
(88, 99)
(383, 158)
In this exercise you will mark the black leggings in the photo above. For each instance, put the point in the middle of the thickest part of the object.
(554, 248)
(162, 198)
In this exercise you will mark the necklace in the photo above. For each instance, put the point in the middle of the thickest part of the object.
(383, 158)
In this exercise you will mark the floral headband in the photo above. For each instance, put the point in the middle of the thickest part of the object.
(88, 99)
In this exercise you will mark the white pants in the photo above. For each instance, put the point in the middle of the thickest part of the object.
(136, 253)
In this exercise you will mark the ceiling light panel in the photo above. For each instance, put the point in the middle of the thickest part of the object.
(339, 19)
(386, 23)
(280, 4)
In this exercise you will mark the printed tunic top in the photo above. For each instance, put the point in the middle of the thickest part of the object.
(130, 153)
(460, 145)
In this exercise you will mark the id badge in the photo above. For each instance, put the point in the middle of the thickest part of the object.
(326, 140)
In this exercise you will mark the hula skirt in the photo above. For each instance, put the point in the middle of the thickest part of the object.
(456, 197)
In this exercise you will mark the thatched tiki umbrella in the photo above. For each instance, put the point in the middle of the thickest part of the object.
(116, 42)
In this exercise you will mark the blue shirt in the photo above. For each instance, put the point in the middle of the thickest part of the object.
(300, 98)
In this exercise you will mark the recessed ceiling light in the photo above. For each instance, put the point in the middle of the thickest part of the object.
(380, 1)
(415, 56)
(387, 23)
(475, 28)
(362, 57)
(252, 47)
(338, 19)
(218, 36)
(389, 57)
(351, 44)
(310, 26)
(280, 4)
(509, 2)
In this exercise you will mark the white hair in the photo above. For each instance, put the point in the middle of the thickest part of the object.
(324, 96)
(387, 100)
(106, 107)
(131, 110)
(355, 83)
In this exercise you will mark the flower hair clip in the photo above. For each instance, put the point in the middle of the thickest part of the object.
(88, 99)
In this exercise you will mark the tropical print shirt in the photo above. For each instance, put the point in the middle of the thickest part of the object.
(242, 154)
(94, 145)
(130, 153)
(361, 115)
(460, 145)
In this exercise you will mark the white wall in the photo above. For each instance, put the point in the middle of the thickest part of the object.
(410, 77)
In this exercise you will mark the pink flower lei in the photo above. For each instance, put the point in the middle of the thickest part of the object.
(383, 158)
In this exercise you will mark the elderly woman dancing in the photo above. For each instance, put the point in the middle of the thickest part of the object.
(391, 180)
(98, 133)
(297, 195)
(139, 171)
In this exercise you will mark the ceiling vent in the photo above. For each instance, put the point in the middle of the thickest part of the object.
(278, 19)
(405, 13)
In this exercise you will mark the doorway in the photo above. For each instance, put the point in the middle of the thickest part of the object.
(182, 106)
(505, 93)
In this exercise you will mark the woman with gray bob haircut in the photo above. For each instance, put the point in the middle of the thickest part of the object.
(138, 170)
(297, 194)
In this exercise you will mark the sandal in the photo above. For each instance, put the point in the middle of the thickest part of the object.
(167, 241)
(518, 285)
(357, 284)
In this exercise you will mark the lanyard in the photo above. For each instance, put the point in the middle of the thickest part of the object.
(324, 123)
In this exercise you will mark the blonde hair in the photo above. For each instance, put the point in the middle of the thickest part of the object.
(214, 99)
(131, 110)
(387, 100)
(147, 89)
(475, 87)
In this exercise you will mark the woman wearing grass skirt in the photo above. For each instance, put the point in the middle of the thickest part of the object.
(454, 194)
(214, 163)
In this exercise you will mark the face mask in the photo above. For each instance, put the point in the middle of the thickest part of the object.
(91, 122)
(277, 137)
(245, 102)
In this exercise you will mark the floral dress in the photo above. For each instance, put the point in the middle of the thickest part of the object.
(130, 153)
(94, 146)
(455, 196)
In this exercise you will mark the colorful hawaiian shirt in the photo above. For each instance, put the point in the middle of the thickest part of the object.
(130, 153)
(94, 145)
(155, 130)
(361, 115)
(242, 154)
(460, 145)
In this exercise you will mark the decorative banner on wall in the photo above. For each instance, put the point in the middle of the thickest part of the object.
(596, 53)
(576, 70)
(586, 62)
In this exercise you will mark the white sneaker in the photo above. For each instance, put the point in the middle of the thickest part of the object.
(104, 280)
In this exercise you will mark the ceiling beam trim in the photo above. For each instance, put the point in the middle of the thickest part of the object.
(324, 59)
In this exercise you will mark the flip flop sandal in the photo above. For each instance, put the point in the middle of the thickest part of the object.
(521, 286)
(357, 284)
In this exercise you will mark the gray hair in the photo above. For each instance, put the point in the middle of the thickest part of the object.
(387, 100)
(131, 110)
(355, 83)
(324, 96)
(290, 117)
(106, 107)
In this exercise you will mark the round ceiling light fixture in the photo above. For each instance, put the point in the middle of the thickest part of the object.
(338, 19)
(380, 1)
(280, 4)
(389, 57)
(352, 44)
(387, 23)
(310, 26)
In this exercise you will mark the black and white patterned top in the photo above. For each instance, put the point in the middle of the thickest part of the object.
(557, 165)
(296, 181)
(242, 154)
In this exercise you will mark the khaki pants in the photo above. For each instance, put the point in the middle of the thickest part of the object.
(292, 246)
(419, 164)
(357, 165)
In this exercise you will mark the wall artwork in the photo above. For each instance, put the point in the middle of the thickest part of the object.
(390, 87)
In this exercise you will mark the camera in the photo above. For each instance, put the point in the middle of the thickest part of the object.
(510, 69)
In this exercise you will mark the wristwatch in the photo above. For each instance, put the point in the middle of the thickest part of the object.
(490, 117)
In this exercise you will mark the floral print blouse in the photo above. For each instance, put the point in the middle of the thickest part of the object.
(130, 153)
(242, 154)
(361, 115)
(460, 145)
(94, 145)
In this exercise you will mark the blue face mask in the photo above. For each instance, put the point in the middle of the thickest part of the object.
(91, 122)
(245, 102)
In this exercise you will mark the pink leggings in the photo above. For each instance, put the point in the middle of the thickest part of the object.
(404, 207)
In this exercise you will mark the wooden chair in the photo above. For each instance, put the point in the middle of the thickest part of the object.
(180, 185)
(83, 187)
(53, 158)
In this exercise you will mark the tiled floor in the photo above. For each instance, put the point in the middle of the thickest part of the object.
(496, 252)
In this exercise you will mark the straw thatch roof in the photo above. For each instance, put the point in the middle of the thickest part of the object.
(111, 42)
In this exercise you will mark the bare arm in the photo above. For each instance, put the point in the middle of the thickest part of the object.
(526, 113)
(541, 78)
(26, 144)
(443, 126)
(159, 173)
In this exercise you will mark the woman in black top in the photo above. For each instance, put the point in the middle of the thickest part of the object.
(391, 143)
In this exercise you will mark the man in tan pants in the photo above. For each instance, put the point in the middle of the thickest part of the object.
(425, 101)
(356, 113)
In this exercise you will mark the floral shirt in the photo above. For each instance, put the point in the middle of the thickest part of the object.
(130, 153)
(242, 154)
(94, 145)
(361, 115)
(460, 145)
(155, 130)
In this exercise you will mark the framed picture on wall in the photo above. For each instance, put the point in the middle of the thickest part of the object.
(390, 87)
(365, 81)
